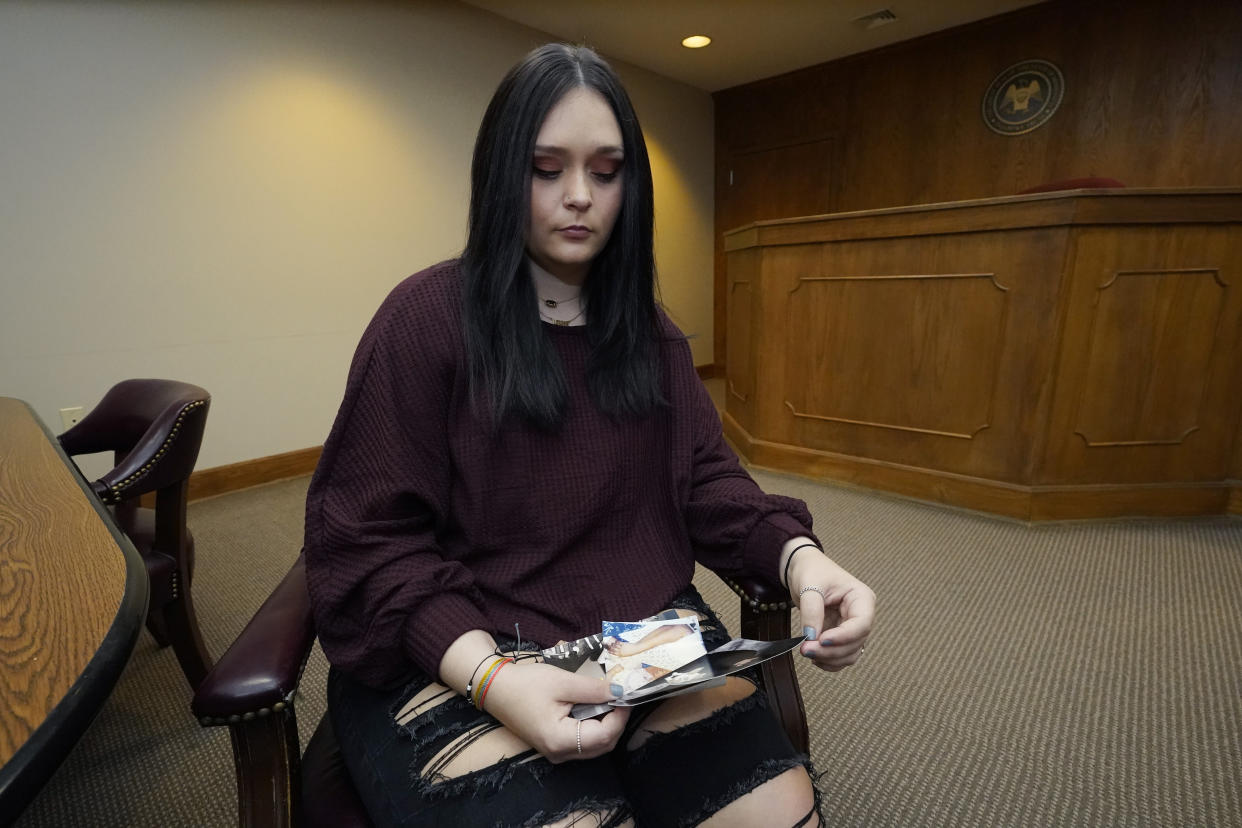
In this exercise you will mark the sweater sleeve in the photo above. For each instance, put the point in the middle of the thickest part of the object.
(734, 526)
(384, 596)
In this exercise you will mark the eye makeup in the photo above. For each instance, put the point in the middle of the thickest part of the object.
(604, 167)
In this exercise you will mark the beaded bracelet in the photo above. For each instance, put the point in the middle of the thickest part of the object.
(789, 560)
(490, 681)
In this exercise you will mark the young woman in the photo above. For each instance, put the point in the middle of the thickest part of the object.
(524, 450)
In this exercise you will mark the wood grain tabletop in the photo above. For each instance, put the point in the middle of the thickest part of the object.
(67, 577)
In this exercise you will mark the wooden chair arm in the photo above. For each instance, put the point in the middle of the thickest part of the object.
(766, 616)
(259, 673)
(251, 690)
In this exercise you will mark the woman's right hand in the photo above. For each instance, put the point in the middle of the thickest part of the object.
(533, 701)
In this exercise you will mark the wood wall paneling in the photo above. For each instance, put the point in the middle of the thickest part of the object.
(935, 370)
(1148, 356)
(1151, 100)
(763, 183)
(768, 183)
(1147, 382)
(740, 368)
(1074, 367)
(913, 347)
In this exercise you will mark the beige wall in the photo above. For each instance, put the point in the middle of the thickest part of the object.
(224, 192)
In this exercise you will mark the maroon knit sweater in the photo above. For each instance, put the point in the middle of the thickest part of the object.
(422, 523)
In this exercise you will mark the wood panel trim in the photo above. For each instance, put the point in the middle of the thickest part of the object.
(709, 371)
(729, 384)
(1096, 195)
(876, 424)
(947, 488)
(218, 480)
(896, 276)
(1160, 271)
(1026, 503)
(1174, 440)
(1192, 205)
(998, 346)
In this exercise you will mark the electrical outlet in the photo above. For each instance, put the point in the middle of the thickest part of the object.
(69, 416)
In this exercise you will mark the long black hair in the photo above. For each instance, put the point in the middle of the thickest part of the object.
(513, 365)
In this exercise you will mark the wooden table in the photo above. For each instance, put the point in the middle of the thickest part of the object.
(73, 596)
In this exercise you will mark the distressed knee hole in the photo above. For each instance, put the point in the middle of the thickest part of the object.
(433, 695)
(587, 819)
(681, 711)
(788, 798)
(483, 746)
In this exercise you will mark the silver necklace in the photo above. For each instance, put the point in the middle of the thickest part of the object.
(554, 303)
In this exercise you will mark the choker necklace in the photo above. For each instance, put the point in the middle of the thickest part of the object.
(561, 322)
(553, 303)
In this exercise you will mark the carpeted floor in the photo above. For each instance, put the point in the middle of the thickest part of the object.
(1071, 674)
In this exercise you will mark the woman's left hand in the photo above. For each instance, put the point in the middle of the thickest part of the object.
(837, 610)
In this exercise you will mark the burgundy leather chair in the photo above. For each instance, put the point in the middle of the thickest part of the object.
(154, 429)
(251, 690)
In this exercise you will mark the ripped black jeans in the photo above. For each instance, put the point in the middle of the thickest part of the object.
(400, 745)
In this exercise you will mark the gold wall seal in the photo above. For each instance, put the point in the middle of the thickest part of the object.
(1023, 97)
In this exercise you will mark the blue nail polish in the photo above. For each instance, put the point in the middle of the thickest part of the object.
(808, 633)
(617, 690)
(827, 642)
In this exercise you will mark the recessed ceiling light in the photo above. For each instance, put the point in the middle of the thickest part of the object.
(696, 41)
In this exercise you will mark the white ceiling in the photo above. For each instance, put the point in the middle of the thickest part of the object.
(751, 39)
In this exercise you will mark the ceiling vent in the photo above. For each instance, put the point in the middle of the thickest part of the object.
(874, 20)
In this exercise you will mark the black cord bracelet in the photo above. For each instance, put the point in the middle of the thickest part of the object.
(789, 560)
(475, 672)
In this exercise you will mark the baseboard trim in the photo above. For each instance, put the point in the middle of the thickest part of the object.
(1027, 503)
(1136, 500)
(220, 480)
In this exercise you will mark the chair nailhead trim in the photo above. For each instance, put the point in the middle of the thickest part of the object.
(115, 491)
(212, 721)
(754, 602)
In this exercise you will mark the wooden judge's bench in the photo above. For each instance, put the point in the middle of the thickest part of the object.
(1071, 354)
